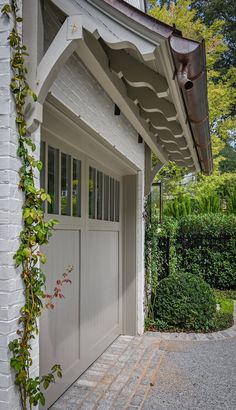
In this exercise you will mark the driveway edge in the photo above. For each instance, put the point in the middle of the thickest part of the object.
(221, 334)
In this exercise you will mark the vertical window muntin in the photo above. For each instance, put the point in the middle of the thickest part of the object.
(65, 184)
(43, 171)
(92, 193)
(112, 199)
(99, 196)
(76, 188)
(106, 197)
(117, 201)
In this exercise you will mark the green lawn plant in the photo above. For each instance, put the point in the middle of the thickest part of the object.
(224, 317)
(35, 233)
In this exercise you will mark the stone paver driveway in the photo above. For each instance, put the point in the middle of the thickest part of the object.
(159, 371)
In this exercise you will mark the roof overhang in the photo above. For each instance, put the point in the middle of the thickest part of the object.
(156, 77)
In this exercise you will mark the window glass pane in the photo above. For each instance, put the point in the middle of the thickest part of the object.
(53, 178)
(42, 159)
(99, 194)
(117, 201)
(112, 199)
(65, 184)
(92, 190)
(42, 172)
(106, 197)
(76, 187)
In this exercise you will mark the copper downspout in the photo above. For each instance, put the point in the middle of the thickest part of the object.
(182, 77)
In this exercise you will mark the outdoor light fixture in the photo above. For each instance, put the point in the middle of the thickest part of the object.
(140, 139)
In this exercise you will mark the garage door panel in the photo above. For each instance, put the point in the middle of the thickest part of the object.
(100, 299)
(86, 201)
(60, 326)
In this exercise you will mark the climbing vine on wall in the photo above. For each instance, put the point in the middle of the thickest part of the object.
(158, 236)
(35, 233)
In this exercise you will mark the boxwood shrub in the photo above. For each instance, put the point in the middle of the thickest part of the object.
(184, 301)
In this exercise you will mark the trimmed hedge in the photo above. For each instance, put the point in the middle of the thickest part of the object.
(206, 246)
(184, 302)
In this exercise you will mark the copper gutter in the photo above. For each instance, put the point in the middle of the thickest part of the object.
(191, 55)
(190, 63)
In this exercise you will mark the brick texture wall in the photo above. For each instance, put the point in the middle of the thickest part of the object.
(11, 289)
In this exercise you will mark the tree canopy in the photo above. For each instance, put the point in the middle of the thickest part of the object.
(224, 10)
(198, 21)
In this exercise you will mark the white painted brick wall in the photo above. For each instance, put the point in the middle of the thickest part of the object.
(79, 91)
(11, 288)
(10, 224)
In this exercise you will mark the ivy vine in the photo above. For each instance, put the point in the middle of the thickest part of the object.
(158, 237)
(35, 233)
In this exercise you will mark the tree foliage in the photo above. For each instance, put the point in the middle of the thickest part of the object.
(224, 10)
(221, 91)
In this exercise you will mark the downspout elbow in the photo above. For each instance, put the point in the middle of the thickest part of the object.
(182, 77)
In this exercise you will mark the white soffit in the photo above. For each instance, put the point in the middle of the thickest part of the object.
(137, 3)
(143, 70)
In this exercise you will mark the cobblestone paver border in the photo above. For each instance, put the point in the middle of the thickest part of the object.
(122, 377)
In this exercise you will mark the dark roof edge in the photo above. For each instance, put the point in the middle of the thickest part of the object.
(191, 55)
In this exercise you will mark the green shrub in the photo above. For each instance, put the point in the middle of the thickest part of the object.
(184, 301)
(205, 246)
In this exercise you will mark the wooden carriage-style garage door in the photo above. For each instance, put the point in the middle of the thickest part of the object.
(86, 200)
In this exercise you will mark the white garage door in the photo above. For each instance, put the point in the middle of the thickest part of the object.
(86, 199)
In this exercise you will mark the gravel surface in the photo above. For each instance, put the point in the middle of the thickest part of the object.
(195, 376)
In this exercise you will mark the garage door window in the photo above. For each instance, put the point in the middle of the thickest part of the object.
(65, 184)
(99, 194)
(53, 179)
(62, 173)
(104, 196)
(92, 192)
(76, 187)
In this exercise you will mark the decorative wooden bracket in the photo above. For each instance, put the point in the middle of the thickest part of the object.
(150, 172)
(63, 45)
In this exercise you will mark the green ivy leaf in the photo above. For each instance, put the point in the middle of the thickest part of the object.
(39, 165)
(41, 399)
(6, 9)
(43, 259)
